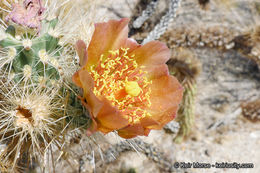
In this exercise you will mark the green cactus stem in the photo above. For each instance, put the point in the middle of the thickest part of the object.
(32, 56)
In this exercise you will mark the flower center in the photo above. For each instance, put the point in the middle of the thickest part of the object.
(132, 88)
(122, 81)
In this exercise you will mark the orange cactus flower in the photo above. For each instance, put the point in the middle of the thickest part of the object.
(127, 86)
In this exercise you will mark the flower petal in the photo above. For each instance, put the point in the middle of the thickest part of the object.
(87, 84)
(107, 36)
(133, 131)
(106, 117)
(152, 53)
(159, 119)
(76, 79)
(131, 44)
(110, 118)
(82, 52)
(86, 80)
(156, 71)
(165, 97)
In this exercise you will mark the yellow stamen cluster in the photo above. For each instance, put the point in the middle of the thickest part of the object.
(123, 82)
